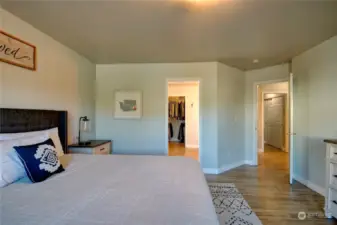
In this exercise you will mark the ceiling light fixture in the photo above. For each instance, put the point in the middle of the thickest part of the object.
(255, 61)
(201, 3)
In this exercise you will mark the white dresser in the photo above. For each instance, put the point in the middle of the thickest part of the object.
(331, 179)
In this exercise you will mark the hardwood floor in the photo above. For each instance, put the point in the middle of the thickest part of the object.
(274, 158)
(266, 189)
(178, 149)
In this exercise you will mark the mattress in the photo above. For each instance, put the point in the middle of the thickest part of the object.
(113, 190)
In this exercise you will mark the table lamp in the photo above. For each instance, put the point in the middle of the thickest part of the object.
(84, 126)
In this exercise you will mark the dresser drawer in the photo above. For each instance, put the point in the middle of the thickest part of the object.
(333, 209)
(333, 195)
(333, 151)
(333, 202)
(333, 174)
(102, 149)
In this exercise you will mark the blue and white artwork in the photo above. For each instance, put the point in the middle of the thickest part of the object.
(128, 105)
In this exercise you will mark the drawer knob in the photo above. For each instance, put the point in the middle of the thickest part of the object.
(334, 201)
(335, 176)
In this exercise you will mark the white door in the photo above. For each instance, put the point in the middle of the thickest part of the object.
(267, 103)
(274, 122)
(291, 126)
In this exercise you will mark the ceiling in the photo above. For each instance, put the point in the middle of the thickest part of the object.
(154, 31)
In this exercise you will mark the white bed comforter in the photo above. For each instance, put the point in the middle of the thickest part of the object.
(113, 190)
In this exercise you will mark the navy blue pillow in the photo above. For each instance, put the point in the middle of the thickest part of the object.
(40, 160)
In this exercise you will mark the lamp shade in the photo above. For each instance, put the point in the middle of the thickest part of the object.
(85, 124)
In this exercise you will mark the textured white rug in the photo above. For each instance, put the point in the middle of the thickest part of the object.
(230, 206)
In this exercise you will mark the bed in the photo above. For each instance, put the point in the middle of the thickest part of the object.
(115, 189)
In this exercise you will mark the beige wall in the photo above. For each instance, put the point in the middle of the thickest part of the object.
(64, 80)
(1, 64)
(191, 93)
(281, 87)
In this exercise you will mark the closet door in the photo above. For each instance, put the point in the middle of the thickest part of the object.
(275, 122)
(267, 102)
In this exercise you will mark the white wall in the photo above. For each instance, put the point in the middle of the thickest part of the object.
(315, 109)
(190, 90)
(64, 80)
(86, 83)
(279, 72)
(231, 116)
(147, 135)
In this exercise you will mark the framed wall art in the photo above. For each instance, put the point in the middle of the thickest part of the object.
(128, 105)
(17, 52)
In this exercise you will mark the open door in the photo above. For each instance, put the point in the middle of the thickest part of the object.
(291, 125)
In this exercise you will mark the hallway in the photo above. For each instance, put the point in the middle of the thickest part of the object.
(178, 149)
(274, 158)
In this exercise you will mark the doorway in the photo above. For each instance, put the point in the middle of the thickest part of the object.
(275, 121)
(183, 119)
(273, 126)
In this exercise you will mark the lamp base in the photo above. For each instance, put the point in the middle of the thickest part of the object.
(84, 143)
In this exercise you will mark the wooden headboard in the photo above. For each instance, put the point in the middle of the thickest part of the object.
(26, 120)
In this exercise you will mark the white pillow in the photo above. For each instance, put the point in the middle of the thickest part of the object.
(11, 168)
(52, 133)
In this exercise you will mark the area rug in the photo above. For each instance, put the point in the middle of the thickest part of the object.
(230, 206)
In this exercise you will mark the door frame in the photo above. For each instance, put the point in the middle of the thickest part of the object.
(275, 92)
(255, 121)
(180, 80)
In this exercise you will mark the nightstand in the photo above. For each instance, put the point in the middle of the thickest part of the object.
(96, 147)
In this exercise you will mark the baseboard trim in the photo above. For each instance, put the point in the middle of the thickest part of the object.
(225, 168)
(210, 170)
(300, 179)
(320, 190)
(248, 162)
(192, 146)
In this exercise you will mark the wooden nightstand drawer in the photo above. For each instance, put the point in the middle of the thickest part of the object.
(96, 147)
(102, 150)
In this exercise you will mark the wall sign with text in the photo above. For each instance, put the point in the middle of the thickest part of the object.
(17, 52)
